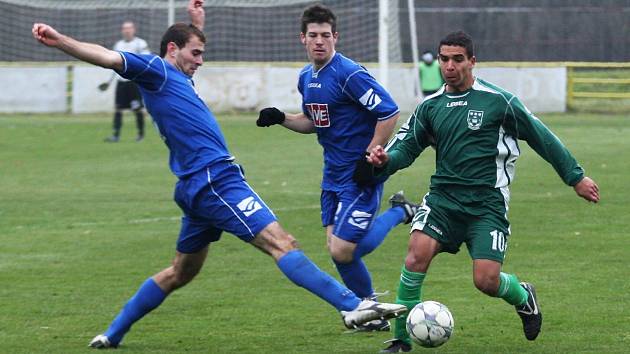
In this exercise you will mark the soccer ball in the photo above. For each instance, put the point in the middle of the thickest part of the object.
(430, 324)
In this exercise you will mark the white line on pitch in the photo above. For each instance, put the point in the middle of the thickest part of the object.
(177, 218)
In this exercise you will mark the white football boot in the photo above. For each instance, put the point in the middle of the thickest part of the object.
(101, 342)
(369, 310)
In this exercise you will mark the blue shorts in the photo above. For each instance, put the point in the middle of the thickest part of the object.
(216, 200)
(351, 210)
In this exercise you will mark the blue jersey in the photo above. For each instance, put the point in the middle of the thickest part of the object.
(344, 102)
(184, 121)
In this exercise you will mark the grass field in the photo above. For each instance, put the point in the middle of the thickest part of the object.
(83, 223)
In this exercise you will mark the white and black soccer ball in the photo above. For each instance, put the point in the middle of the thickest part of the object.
(430, 324)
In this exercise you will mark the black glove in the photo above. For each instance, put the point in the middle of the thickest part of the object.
(270, 116)
(364, 172)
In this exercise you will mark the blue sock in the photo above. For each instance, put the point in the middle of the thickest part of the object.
(356, 277)
(148, 297)
(300, 270)
(379, 230)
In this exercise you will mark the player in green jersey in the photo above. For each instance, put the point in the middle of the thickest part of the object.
(474, 127)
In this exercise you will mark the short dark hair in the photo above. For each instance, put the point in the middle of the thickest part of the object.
(459, 39)
(319, 13)
(180, 34)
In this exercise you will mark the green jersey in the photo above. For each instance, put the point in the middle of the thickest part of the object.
(475, 136)
(430, 76)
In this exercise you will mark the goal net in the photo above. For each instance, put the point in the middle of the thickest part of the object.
(237, 30)
(260, 33)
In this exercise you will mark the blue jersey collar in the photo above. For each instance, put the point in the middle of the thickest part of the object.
(332, 57)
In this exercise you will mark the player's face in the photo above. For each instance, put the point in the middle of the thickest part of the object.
(456, 68)
(319, 41)
(128, 31)
(189, 58)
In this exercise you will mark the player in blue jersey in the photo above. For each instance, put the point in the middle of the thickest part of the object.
(211, 189)
(351, 113)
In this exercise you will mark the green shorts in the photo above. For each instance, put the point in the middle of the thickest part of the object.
(476, 216)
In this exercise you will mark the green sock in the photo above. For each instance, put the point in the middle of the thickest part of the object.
(510, 290)
(409, 292)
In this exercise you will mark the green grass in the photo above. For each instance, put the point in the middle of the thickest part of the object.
(83, 223)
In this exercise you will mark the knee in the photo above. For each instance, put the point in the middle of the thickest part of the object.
(340, 255)
(487, 283)
(340, 250)
(420, 252)
(416, 263)
(274, 241)
(183, 275)
(287, 243)
(281, 244)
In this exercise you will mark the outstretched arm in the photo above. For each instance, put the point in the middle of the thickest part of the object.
(87, 52)
(297, 122)
(197, 13)
(522, 124)
(528, 127)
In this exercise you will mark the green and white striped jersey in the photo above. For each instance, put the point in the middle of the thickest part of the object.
(475, 136)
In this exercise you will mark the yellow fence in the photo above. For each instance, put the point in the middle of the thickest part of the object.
(598, 82)
(591, 86)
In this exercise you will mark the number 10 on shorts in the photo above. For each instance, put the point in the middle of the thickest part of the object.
(498, 241)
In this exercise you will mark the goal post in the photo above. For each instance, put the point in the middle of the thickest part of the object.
(383, 41)
(171, 12)
(415, 57)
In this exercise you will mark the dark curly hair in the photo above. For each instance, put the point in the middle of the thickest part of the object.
(318, 13)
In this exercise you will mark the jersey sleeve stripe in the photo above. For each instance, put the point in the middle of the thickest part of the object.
(124, 70)
(165, 76)
(417, 122)
(304, 71)
(480, 86)
(147, 66)
(343, 89)
(389, 116)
